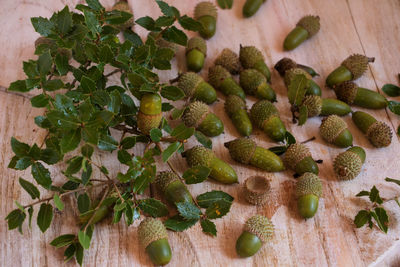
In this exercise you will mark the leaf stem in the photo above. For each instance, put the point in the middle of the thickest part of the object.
(113, 72)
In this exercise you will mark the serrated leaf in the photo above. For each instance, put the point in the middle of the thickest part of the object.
(115, 102)
(362, 217)
(42, 25)
(41, 175)
(208, 227)
(39, 101)
(62, 65)
(45, 216)
(394, 107)
(20, 149)
(87, 84)
(165, 8)
(83, 203)
(153, 207)
(175, 35)
(146, 22)
(171, 149)
(62, 240)
(303, 115)
(30, 188)
(374, 195)
(84, 239)
(49, 156)
(225, 4)
(189, 23)
(202, 139)
(381, 218)
(19, 86)
(74, 165)
(205, 200)
(177, 113)
(155, 135)
(92, 22)
(107, 143)
(60, 119)
(58, 202)
(95, 5)
(23, 163)
(218, 209)
(87, 151)
(363, 193)
(387, 179)
(44, 63)
(181, 132)
(15, 219)
(178, 224)
(391, 90)
(70, 140)
(164, 21)
(188, 210)
(64, 20)
(172, 93)
(53, 85)
(124, 157)
(196, 174)
(132, 37)
(297, 89)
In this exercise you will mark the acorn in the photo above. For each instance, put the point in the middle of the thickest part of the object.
(194, 87)
(350, 93)
(318, 106)
(100, 214)
(347, 165)
(153, 237)
(206, 14)
(257, 230)
(308, 192)
(161, 42)
(334, 130)
(251, 7)
(252, 58)
(254, 83)
(246, 151)
(378, 132)
(298, 158)
(229, 60)
(222, 80)
(314, 88)
(265, 115)
(235, 107)
(256, 190)
(124, 6)
(150, 113)
(172, 187)
(196, 52)
(307, 27)
(220, 170)
(351, 69)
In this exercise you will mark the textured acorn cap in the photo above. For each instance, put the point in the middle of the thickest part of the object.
(233, 103)
(347, 165)
(229, 60)
(198, 155)
(260, 226)
(313, 104)
(124, 6)
(310, 24)
(308, 183)
(147, 122)
(188, 82)
(195, 113)
(241, 149)
(357, 64)
(251, 79)
(197, 43)
(285, 64)
(346, 91)
(163, 179)
(249, 56)
(161, 42)
(150, 230)
(256, 190)
(294, 154)
(331, 127)
(205, 9)
(379, 134)
(217, 74)
(289, 74)
(262, 111)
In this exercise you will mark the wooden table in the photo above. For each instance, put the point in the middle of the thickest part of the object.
(370, 27)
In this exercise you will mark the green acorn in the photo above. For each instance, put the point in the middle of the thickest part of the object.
(254, 83)
(198, 115)
(317, 106)
(257, 230)
(236, 109)
(194, 87)
(220, 170)
(256, 190)
(314, 88)
(265, 115)
(350, 93)
(246, 151)
(150, 113)
(378, 132)
(222, 80)
(161, 42)
(229, 60)
(124, 6)
(172, 187)
(347, 165)
(206, 14)
(196, 52)
(307, 27)
(100, 214)
(298, 158)
(251, 7)
(334, 130)
(154, 238)
(351, 69)
(308, 192)
(252, 58)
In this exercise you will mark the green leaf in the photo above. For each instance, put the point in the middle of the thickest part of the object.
(88, 85)
(225, 4)
(30, 188)
(115, 102)
(181, 132)
(177, 113)
(208, 227)
(166, 107)
(164, 21)
(381, 218)
(58, 202)
(30, 69)
(62, 240)
(165, 8)
(23, 163)
(79, 253)
(87, 151)
(398, 130)
(155, 135)
(45, 216)
(175, 35)
(146, 22)
(362, 217)
(92, 22)
(278, 150)
(70, 140)
(218, 209)
(303, 115)
(172, 93)
(62, 65)
(83, 203)
(297, 89)
(202, 139)
(64, 20)
(19, 86)
(391, 90)
(106, 54)
(190, 24)
(34, 152)
(15, 219)
(171, 149)
(20, 149)
(39, 101)
(289, 138)
(124, 157)
(207, 199)
(387, 179)
(49, 156)
(178, 224)
(42, 26)
(84, 239)
(374, 195)
(153, 207)
(188, 210)
(53, 85)
(196, 174)
(363, 193)
(394, 107)
(132, 37)
(107, 143)
(95, 5)
(41, 175)
(30, 212)
(44, 63)
(128, 142)
(60, 119)
(69, 252)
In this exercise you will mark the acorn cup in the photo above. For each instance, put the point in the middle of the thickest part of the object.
(229, 60)
(378, 133)
(246, 151)
(350, 93)
(265, 115)
(334, 130)
(252, 58)
(198, 115)
(150, 113)
(257, 231)
(196, 52)
(220, 170)
(351, 69)
(307, 27)
(154, 238)
(347, 165)
(308, 192)
(206, 14)
(172, 187)
(318, 106)
(194, 87)
(124, 6)
(313, 89)
(256, 190)
(235, 107)
(298, 158)
(222, 80)
(250, 7)
(254, 83)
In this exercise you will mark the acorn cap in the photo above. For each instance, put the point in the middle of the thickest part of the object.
(308, 183)
(331, 127)
(347, 165)
(197, 43)
(294, 154)
(260, 226)
(229, 60)
(188, 82)
(262, 111)
(285, 64)
(379, 134)
(251, 79)
(313, 104)
(163, 179)
(241, 149)
(310, 24)
(150, 230)
(346, 91)
(198, 155)
(205, 9)
(233, 103)
(289, 74)
(217, 74)
(146, 122)
(357, 64)
(249, 56)
(195, 113)
(256, 190)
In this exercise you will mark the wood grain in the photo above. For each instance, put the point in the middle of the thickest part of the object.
(369, 27)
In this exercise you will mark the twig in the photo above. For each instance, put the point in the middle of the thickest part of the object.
(308, 140)
(124, 128)
(168, 139)
(113, 72)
